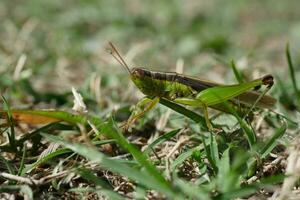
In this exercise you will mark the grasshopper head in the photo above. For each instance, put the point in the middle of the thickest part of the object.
(268, 80)
(145, 82)
(142, 78)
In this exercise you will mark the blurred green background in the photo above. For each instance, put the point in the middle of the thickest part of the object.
(65, 43)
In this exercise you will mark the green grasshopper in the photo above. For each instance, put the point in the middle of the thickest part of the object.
(191, 91)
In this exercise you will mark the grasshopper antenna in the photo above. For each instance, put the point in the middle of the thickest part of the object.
(115, 53)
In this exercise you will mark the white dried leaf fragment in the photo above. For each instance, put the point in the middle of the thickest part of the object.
(79, 105)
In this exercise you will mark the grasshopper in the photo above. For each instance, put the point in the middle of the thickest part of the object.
(191, 91)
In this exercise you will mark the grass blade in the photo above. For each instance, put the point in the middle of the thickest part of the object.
(161, 139)
(10, 168)
(51, 155)
(236, 72)
(292, 73)
(182, 157)
(106, 189)
(10, 122)
(269, 146)
(22, 160)
(192, 191)
(110, 130)
(114, 165)
(186, 112)
(48, 116)
(214, 149)
(209, 155)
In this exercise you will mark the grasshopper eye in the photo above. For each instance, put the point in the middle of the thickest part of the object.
(138, 72)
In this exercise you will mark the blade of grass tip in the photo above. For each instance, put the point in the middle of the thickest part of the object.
(224, 177)
(236, 72)
(182, 157)
(8, 165)
(116, 166)
(11, 135)
(110, 130)
(246, 190)
(182, 110)
(22, 161)
(241, 192)
(47, 128)
(140, 192)
(271, 180)
(214, 149)
(209, 156)
(250, 134)
(44, 159)
(269, 146)
(191, 190)
(292, 73)
(161, 139)
(106, 189)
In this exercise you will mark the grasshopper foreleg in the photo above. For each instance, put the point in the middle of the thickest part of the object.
(142, 107)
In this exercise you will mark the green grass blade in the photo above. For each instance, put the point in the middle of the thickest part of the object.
(209, 155)
(241, 192)
(214, 149)
(161, 139)
(246, 190)
(250, 134)
(224, 181)
(44, 159)
(114, 165)
(292, 73)
(232, 167)
(192, 191)
(11, 135)
(182, 157)
(182, 110)
(106, 189)
(8, 165)
(22, 160)
(269, 146)
(110, 130)
(47, 128)
(57, 153)
(236, 72)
